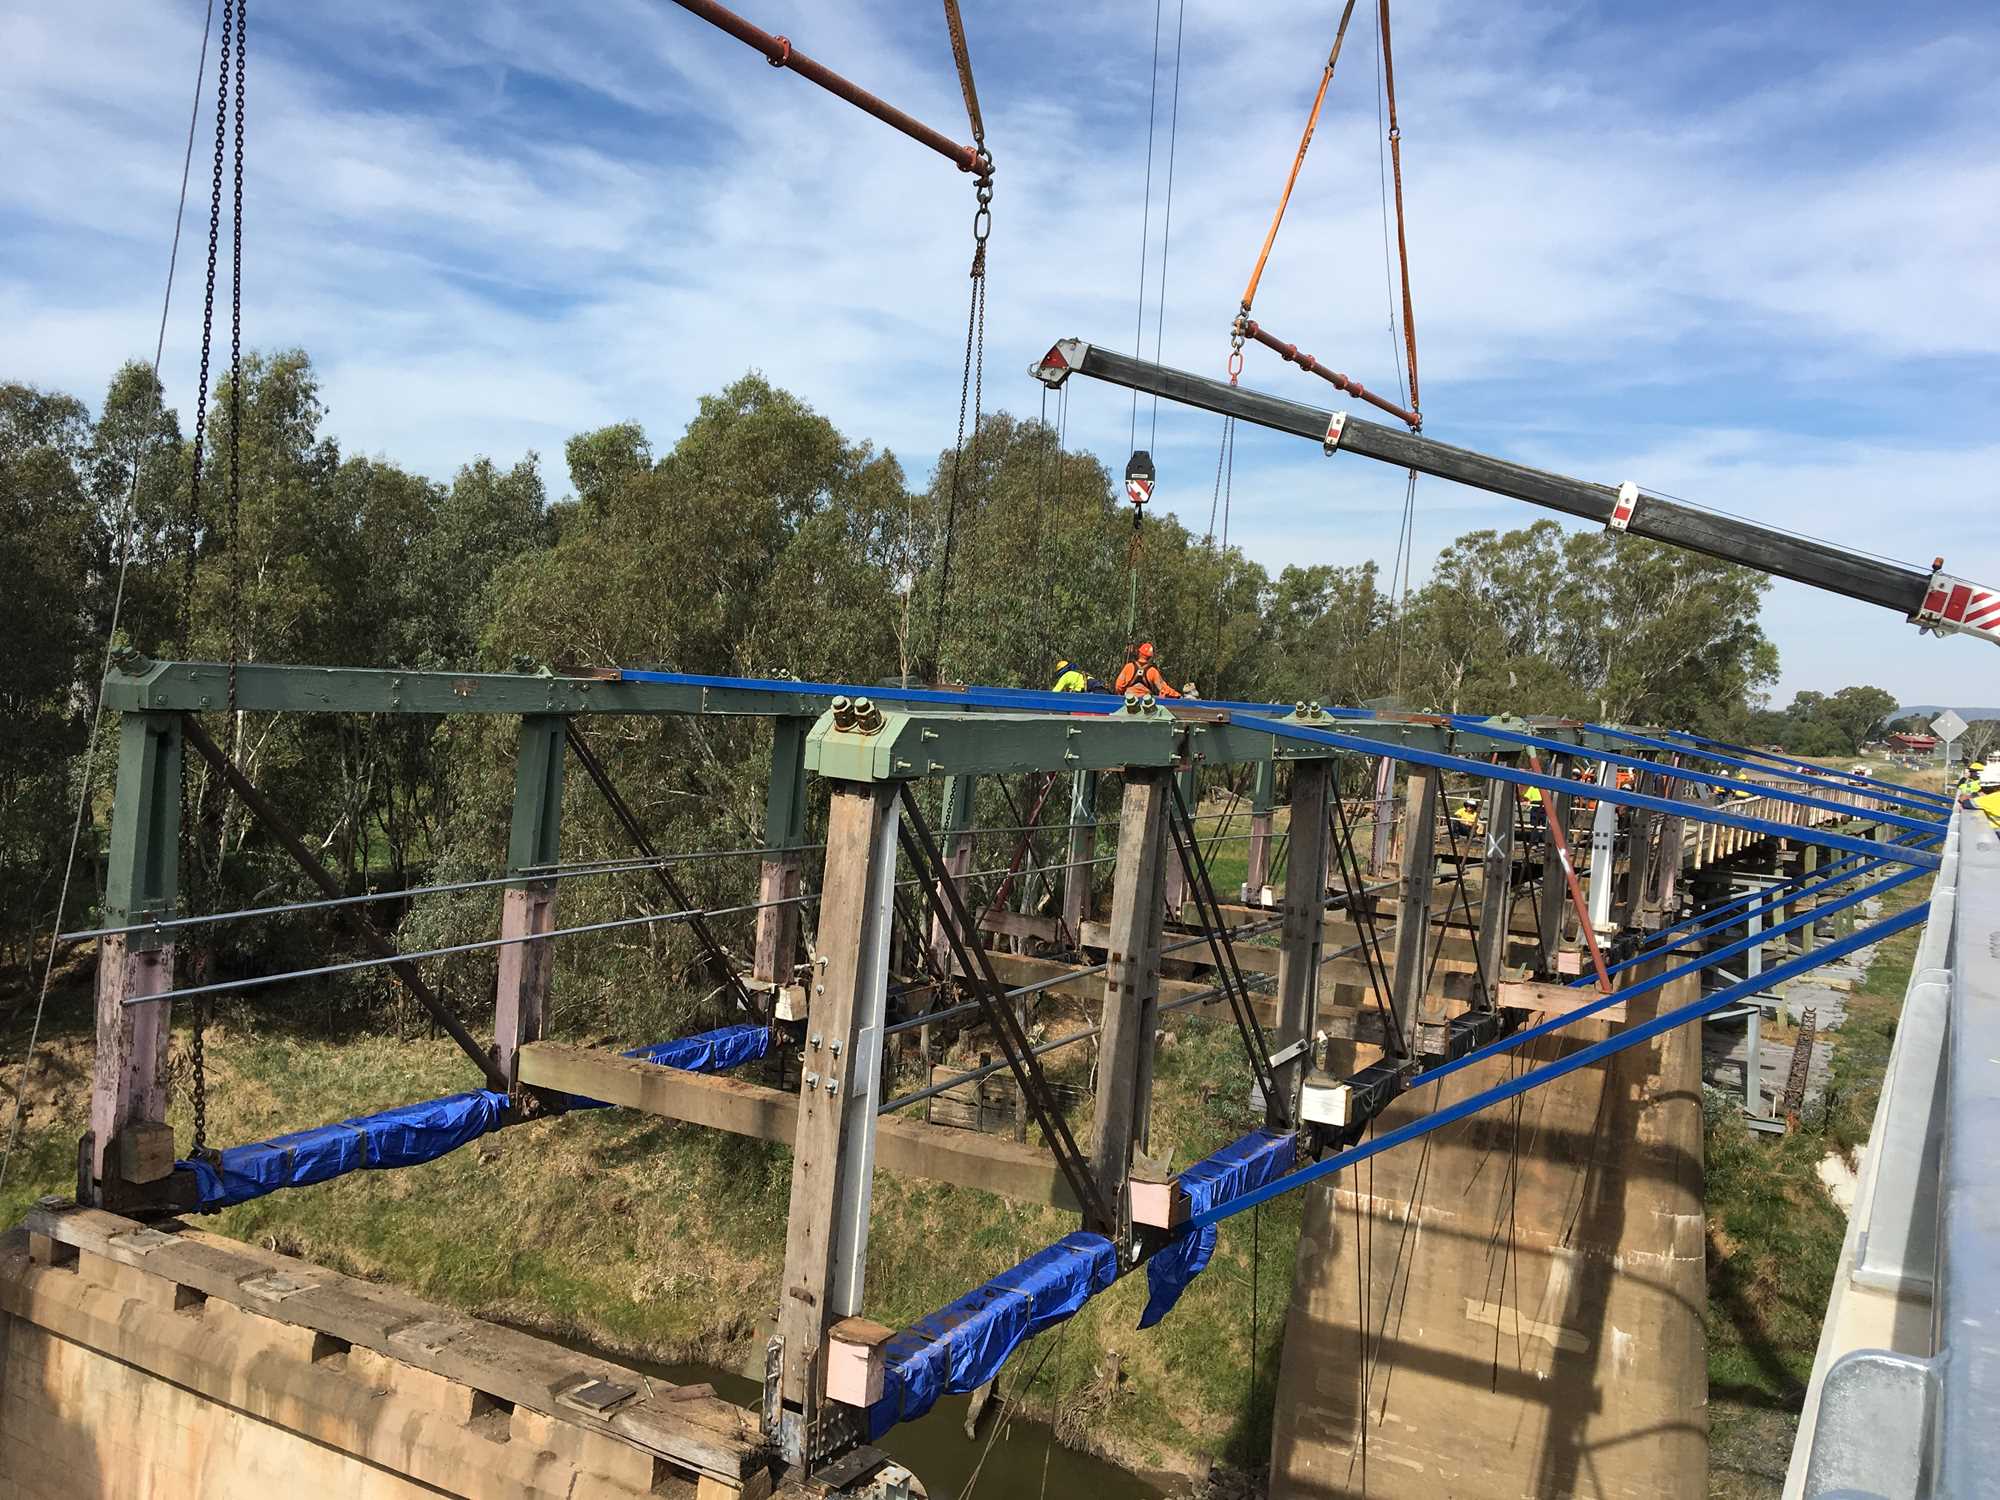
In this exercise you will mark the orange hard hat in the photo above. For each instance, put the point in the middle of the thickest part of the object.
(1145, 650)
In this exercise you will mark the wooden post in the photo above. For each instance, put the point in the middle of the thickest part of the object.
(1673, 849)
(1385, 816)
(521, 987)
(1082, 848)
(956, 845)
(1263, 805)
(1304, 913)
(1496, 893)
(1640, 823)
(1413, 908)
(128, 1092)
(1131, 982)
(1808, 939)
(833, 1149)
(777, 946)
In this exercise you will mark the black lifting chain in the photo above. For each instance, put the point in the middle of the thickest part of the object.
(231, 63)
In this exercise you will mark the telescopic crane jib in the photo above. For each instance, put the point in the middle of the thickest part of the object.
(1935, 601)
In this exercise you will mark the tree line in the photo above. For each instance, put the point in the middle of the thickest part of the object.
(763, 541)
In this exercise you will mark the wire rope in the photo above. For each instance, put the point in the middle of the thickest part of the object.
(124, 534)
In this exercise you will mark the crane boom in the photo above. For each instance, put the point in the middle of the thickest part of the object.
(1935, 601)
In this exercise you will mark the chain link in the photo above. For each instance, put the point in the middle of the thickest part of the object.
(236, 390)
(190, 862)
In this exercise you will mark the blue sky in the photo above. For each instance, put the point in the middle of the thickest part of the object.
(1742, 255)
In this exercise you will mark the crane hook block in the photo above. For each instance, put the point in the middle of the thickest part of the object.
(1139, 477)
(1622, 508)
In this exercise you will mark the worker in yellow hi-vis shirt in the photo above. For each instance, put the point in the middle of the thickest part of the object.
(1987, 800)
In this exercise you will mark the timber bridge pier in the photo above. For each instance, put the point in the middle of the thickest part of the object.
(1402, 988)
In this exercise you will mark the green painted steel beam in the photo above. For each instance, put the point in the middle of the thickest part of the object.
(199, 687)
(905, 747)
(785, 795)
(535, 834)
(142, 878)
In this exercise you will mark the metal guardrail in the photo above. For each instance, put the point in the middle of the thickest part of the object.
(1905, 1392)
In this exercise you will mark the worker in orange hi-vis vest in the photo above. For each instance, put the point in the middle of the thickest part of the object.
(1141, 674)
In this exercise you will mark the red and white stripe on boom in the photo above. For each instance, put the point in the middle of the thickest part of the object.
(1623, 506)
(1952, 604)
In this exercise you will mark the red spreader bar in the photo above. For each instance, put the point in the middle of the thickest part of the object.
(1306, 362)
(780, 53)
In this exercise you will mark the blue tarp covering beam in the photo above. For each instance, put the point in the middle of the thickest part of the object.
(1229, 1173)
(414, 1133)
(961, 1346)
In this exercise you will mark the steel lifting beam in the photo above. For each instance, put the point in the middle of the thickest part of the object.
(1931, 599)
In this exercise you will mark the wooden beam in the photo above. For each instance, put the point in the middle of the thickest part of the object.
(128, 1073)
(1131, 982)
(522, 969)
(1555, 999)
(906, 1147)
(1078, 872)
(778, 874)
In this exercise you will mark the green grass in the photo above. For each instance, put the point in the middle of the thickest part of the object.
(666, 1241)
(1774, 1235)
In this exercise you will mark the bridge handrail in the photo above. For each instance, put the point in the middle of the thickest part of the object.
(1905, 1392)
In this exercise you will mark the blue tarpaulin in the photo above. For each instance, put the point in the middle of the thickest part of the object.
(960, 1347)
(398, 1137)
(1231, 1172)
(706, 1052)
(414, 1133)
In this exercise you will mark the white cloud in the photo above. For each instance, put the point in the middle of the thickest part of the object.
(1744, 262)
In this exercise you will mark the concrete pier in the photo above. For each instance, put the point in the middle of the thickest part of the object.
(1533, 1284)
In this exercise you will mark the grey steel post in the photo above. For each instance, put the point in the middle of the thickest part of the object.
(1496, 897)
(1304, 915)
(1413, 908)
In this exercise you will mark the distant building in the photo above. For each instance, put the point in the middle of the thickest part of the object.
(1917, 742)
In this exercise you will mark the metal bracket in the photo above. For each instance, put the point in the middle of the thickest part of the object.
(1063, 357)
(774, 1374)
(1622, 508)
(1336, 423)
(1955, 605)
